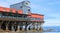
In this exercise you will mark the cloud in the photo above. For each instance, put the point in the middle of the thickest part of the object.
(40, 9)
(52, 22)
(13, 1)
(7, 3)
(51, 17)
(55, 21)
(54, 3)
(4, 4)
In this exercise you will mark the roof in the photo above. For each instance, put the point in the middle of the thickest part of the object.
(33, 15)
(4, 9)
(19, 3)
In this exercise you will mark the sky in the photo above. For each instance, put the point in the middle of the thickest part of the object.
(49, 8)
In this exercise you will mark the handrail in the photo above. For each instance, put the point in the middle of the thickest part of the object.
(18, 18)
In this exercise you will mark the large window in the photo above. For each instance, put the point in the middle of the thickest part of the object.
(0, 13)
(36, 19)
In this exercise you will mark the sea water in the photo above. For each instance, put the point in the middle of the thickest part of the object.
(51, 32)
(55, 29)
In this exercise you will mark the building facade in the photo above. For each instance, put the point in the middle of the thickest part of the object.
(19, 17)
(24, 5)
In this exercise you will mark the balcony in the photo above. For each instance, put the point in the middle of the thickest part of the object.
(10, 18)
(37, 20)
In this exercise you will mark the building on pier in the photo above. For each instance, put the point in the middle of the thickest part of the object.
(19, 17)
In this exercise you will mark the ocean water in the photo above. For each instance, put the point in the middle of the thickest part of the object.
(51, 32)
(55, 29)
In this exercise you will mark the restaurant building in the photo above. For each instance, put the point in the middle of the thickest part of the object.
(19, 17)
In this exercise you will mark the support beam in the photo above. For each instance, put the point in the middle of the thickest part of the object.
(3, 27)
(15, 26)
(1, 22)
(26, 24)
(18, 29)
(29, 28)
(41, 29)
(21, 26)
(18, 26)
(7, 23)
(12, 27)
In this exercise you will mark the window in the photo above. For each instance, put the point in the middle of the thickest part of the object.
(27, 3)
(28, 9)
(38, 18)
(21, 6)
(0, 14)
(16, 13)
(33, 18)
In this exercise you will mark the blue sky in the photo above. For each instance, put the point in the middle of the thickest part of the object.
(50, 9)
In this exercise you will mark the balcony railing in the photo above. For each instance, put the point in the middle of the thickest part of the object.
(36, 19)
(15, 18)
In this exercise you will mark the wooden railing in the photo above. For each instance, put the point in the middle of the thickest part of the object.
(14, 18)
